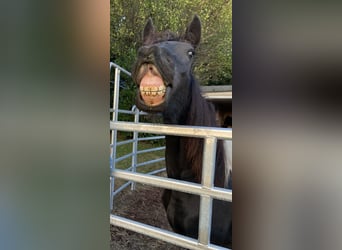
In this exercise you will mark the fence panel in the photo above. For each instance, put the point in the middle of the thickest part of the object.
(206, 190)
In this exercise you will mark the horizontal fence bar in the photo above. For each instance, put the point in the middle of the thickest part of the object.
(123, 157)
(124, 142)
(178, 185)
(150, 150)
(161, 234)
(111, 110)
(150, 162)
(151, 138)
(122, 111)
(145, 163)
(120, 143)
(117, 160)
(111, 64)
(194, 131)
(157, 171)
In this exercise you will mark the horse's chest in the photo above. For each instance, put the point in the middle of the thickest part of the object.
(175, 159)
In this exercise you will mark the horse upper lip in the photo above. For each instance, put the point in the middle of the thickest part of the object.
(150, 61)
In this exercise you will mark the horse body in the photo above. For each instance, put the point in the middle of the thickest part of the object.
(163, 72)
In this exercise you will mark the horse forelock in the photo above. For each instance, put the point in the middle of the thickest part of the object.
(163, 36)
(167, 35)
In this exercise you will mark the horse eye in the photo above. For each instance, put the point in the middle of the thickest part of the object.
(191, 53)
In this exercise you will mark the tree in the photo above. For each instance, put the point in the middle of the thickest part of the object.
(213, 61)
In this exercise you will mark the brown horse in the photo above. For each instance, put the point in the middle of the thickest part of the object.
(163, 74)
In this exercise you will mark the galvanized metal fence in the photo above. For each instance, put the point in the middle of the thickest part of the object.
(114, 144)
(206, 190)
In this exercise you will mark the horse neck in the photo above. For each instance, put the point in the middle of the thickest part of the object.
(201, 112)
(188, 150)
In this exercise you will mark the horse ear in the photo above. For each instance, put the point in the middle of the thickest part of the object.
(148, 33)
(193, 31)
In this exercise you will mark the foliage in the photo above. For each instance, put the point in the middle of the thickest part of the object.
(213, 60)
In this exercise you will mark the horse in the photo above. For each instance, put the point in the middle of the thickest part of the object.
(165, 84)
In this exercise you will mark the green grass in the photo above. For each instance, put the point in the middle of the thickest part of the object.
(127, 148)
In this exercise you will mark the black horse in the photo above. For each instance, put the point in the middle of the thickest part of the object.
(163, 73)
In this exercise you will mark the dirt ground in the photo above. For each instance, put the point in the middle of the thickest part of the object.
(143, 205)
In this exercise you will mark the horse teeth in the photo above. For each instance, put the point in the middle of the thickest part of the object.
(153, 90)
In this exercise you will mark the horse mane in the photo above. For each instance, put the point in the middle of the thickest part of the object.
(202, 113)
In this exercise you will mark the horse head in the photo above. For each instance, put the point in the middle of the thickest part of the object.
(163, 68)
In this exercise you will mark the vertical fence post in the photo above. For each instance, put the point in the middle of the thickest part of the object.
(208, 171)
(114, 131)
(135, 144)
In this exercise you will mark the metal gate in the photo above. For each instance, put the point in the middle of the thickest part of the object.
(205, 190)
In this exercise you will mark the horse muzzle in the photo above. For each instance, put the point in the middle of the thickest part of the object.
(152, 87)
